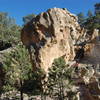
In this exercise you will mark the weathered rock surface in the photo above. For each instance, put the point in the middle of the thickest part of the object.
(52, 34)
(92, 49)
(90, 89)
(88, 83)
(56, 33)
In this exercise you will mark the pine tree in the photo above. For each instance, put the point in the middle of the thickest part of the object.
(89, 14)
(28, 18)
(17, 68)
(9, 31)
(19, 74)
(81, 18)
(97, 8)
(59, 80)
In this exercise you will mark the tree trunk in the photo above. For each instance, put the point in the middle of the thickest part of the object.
(21, 90)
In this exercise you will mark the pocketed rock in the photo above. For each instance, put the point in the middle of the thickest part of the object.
(53, 34)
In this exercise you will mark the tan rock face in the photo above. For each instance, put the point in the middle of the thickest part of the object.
(54, 33)
(92, 49)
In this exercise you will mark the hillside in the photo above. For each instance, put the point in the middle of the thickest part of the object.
(55, 59)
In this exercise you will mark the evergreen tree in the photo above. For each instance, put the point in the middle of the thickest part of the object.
(81, 18)
(96, 24)
(59, 80)
(97, 8)
(93, 21)
(89, 14)
(9, 31)
(19, 75)
(28, 18)
(17, 68)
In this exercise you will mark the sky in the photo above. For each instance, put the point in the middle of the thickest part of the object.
(19, 8)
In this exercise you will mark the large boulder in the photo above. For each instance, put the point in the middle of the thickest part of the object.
(53, 34)
(56, 33)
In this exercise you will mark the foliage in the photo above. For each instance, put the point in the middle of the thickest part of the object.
(97, 8)
(17, 66)
(59, 80)
(81, 18)
(33, 85)
(9, 31)
(89, 14)
(28, 18)
(19, 75)
(90, 22)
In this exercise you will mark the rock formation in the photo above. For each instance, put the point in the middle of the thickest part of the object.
(56, 33)
(52, 34)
